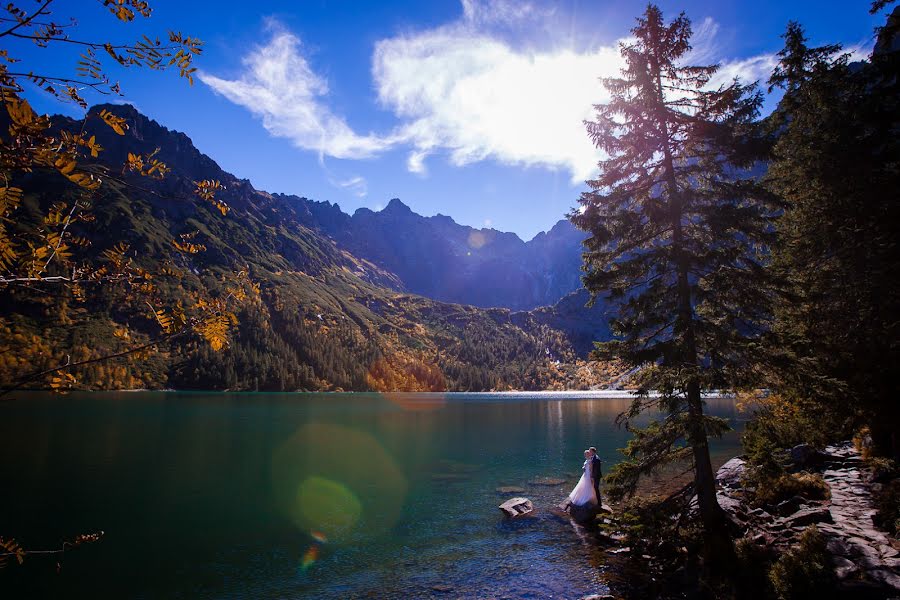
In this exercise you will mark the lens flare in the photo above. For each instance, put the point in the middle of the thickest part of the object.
(309, 557)
(337, 483)
(411, 380)
(321, 500)
(477, 239)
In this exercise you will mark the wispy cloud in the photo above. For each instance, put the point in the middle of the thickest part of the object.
(278, 85)
(357, 186)
(501, 12)
(748, 70)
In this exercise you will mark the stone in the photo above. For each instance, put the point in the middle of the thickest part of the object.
(582, 514)
(730, 474)
(843, 568)
(547, 481)
(517, 507)
(836, 546)
(442, 588)
(789, 506)
(510, 489)
(731, 505)
(804, 455)
(760, 514)
(808, 516)
(886, 577)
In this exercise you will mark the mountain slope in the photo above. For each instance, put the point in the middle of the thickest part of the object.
(438, 258)
(326, 318)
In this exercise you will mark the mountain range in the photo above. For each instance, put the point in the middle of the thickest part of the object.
(441, 259)
(372, 300)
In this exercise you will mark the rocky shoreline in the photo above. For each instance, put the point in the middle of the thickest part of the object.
(866, 561)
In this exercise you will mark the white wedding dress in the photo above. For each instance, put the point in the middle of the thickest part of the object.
(584, 494)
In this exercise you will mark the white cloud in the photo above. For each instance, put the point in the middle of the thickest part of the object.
(463, 89)
(704, 46)
(357, 185)
(279, 86)
(501, 12)
(748, 70)
(416, 163)
(859, 52)
(460, 90)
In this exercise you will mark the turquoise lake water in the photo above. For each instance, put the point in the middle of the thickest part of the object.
(205, 495)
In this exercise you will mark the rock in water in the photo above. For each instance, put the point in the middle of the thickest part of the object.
(582, 514)
(510, 489)
(517, 507)
(551, 481)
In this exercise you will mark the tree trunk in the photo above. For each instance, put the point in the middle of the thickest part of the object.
(704, 480)
(718, 543)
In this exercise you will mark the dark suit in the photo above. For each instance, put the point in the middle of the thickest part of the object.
(596, 474)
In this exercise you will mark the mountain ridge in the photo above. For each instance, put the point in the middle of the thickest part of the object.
(327, 319)
(429, 255)
(439, 258)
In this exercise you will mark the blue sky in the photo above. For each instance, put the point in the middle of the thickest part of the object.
(467, 108)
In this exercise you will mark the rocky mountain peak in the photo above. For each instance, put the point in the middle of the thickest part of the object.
(396, 207)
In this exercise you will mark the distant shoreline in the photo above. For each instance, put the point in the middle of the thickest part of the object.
(517, 394)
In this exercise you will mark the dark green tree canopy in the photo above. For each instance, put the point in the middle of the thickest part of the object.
(836, 165)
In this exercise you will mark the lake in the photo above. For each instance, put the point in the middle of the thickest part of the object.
(217, 495)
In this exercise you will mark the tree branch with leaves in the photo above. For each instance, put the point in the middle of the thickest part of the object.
(52, 255)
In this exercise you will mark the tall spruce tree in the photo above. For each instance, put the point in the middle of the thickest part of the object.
(678, 234)
(837, 166)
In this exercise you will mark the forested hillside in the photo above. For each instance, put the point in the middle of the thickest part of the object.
(323, 318)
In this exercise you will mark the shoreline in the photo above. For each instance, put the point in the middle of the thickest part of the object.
(516, 394)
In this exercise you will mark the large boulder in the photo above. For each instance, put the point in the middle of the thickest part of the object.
(729, 475)
(808, 516)
(804, 456)
(517, 507)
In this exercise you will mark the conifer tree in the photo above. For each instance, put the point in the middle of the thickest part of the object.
(837, 166)
(678, 233)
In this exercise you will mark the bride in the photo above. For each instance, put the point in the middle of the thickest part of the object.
(583, 494)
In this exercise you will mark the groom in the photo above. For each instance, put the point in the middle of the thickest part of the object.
(596, 471)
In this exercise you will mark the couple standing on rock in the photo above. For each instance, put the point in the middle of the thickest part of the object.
(587, 490)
